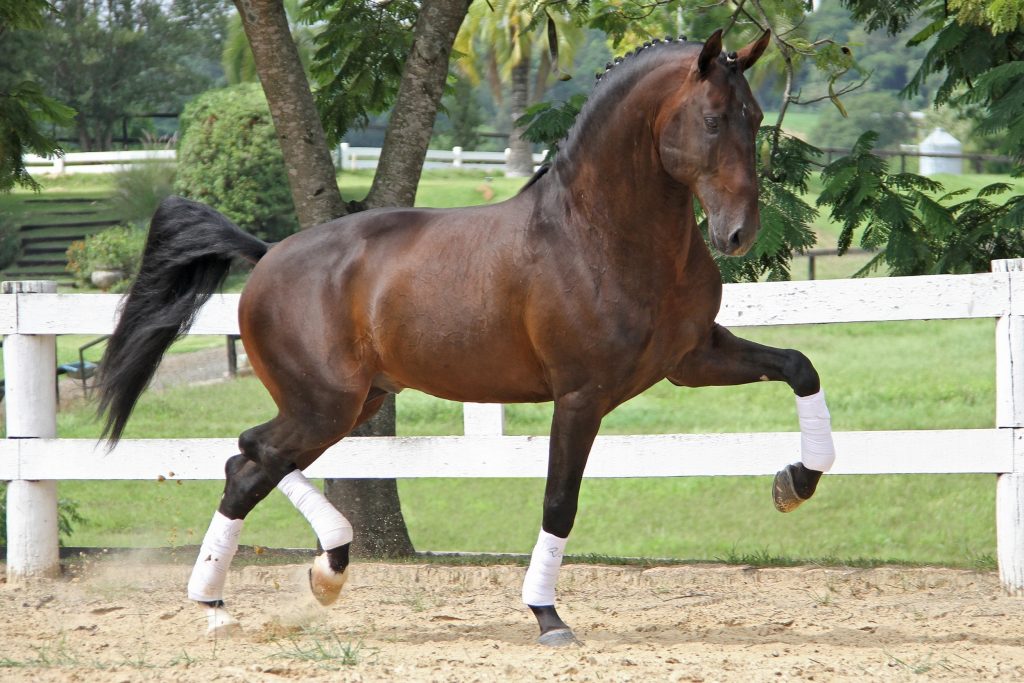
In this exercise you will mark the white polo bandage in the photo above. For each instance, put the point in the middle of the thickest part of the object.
(817, 452)
(542, 575)
(330, 526)
(215, 554)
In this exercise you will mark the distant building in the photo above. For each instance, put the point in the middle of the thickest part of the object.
(941, 142)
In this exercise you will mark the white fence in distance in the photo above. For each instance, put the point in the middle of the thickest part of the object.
(96, 162)
(34, 460)
(345, 156)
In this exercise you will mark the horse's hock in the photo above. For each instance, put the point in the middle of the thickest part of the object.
(34, 460)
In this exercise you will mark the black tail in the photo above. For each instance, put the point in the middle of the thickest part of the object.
(187, 256)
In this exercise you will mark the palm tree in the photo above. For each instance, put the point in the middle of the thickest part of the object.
(514, 45)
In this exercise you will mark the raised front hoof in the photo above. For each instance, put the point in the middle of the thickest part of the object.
(784, 491)
(558, 637)
(324, 582)
(220, 624)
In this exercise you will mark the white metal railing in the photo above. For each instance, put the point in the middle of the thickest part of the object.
(34, 460)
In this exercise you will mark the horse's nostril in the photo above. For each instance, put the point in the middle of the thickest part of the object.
(735, 237)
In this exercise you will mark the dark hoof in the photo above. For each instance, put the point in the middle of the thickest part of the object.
(559, 637)
(784, 491)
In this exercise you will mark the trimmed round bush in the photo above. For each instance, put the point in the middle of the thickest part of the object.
(229, 158)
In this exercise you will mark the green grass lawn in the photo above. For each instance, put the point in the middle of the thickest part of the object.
(878, 376)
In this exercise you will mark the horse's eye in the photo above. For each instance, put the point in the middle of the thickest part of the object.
(711, 123)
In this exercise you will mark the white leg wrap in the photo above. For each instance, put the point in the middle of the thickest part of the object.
(219, 545)
(331, 527)
(817, 452)
(542, 575)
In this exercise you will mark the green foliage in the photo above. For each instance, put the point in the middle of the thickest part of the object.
(117, 248)
(67, 517)
(915, 232)
(785, 166)
(462, 115)
(237, 59)
(975, 50)
(881, 112)
(25, 110)
(361, 50)
(10, 242)
(111, 59)
(547, 122)
(229, 158)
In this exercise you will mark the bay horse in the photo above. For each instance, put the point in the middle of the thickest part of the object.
(586, 288)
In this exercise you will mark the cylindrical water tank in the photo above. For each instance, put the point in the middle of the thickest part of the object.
(942, 142)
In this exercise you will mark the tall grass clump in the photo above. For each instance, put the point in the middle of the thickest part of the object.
(140, 188)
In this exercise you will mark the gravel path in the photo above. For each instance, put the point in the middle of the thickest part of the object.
(175, 369)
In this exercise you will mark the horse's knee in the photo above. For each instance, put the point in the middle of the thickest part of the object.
(246, 484)
(800, 373)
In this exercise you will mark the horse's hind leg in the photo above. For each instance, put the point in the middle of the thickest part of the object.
(271, 454)
(334, 532)
(726, 359)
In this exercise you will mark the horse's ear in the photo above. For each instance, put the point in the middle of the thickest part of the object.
(709, 53)
(750, 54)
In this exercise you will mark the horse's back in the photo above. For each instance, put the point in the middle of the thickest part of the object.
(423, 298)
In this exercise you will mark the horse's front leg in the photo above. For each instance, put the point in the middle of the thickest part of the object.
(573, 428)
(725, 360)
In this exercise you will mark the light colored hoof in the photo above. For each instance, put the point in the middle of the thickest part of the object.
(559, 637)
(784, 492)
(220, 624)
(326, 583)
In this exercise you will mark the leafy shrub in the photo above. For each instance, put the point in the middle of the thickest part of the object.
(229, 158)
(117, 248)
(10, 243)
(140, 188)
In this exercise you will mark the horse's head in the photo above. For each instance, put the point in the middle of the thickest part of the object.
(706, 134)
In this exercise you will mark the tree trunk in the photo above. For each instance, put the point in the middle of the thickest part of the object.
(419, 96)
(311, 173)
(371, 505)
(520, 162)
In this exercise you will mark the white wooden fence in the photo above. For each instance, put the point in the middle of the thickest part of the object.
(345, 156)
(351, 158)
(96, 162)
(34, 460)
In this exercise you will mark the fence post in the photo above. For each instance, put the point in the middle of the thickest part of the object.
(483, 419)
(456, 157)
(30, 361)
(1010, 416)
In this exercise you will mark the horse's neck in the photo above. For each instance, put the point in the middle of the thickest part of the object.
(621, 202)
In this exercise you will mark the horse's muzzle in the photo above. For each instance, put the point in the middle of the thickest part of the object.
(737, 242)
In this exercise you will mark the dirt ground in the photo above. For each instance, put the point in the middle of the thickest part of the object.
(125, 619)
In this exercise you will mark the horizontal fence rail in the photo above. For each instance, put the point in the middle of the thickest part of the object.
(34, 459)
(351, 158)
(345, 156)
(97, 162)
